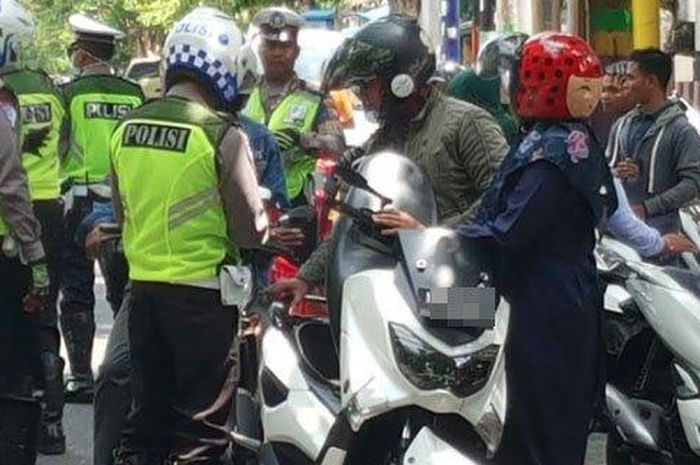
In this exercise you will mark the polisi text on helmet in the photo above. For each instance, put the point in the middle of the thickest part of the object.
(199, 29)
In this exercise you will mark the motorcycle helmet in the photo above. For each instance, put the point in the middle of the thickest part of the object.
(205, 46)
(495, 61)
(249, 69)
(16, 24)
(558, 77)
(393, 49)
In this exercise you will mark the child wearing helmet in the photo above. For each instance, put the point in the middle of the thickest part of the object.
(538, 221)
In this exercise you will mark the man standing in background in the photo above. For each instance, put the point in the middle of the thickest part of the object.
(95, 102)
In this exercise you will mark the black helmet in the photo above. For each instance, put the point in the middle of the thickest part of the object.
(393, 48)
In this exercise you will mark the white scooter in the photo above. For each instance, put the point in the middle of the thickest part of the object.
(652, 334)
(410, 387)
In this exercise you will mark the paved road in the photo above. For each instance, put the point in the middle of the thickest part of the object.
(78, 418)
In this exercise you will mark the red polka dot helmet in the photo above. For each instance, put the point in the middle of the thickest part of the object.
(550, 65)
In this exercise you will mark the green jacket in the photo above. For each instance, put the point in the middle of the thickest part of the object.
(458, 145)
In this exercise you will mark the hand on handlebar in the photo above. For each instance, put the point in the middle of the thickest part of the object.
(676, 243)
(392, 221)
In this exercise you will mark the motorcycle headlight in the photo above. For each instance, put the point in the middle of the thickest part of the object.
(429, 369)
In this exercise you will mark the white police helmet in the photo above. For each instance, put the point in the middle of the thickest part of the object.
(16, 24)
(249, 69)
(207, 43)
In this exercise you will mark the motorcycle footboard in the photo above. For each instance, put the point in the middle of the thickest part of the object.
(428, 449)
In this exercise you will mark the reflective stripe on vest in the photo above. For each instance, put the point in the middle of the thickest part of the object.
(175, 229)
(298, 110)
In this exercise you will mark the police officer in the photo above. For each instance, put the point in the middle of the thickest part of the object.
(25, 278)
(182, 226)
(42, 112)
(302, 123)
(95, 101)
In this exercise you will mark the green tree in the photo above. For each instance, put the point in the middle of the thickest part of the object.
(146, 23)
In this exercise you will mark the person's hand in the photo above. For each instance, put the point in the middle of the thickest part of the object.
(94, 241)
(640, 211)
(676, 243)
(287, 138)
(287, 237)
(36, 296)
(292, 290)
(626, 169)
(392, 221)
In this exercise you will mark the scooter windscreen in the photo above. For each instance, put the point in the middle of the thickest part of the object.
(357, 245)
(398, 179)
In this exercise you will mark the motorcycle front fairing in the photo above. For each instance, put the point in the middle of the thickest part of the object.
(669, 298)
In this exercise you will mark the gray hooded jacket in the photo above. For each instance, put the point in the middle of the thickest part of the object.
(669, 157)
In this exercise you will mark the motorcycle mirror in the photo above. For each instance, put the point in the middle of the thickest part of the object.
(355, 179)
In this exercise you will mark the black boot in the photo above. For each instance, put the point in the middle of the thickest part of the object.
(19, 422)
(78, 333)
(51, 438)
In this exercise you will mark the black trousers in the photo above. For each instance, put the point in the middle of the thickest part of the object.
(113, 388)
(50, 215)
(77, 289)
(19, 345)
(184, 364)
(19, 363)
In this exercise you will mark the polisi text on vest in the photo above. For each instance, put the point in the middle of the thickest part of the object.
(106, 110)
(33, 114)
(156, 136)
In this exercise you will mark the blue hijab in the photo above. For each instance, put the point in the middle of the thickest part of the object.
(570, 146)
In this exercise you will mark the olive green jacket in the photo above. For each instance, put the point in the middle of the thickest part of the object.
(458, 145)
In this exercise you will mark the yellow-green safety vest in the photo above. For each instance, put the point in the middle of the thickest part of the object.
(42, 114)
(165, 159)
(299, 110)
(96, 104)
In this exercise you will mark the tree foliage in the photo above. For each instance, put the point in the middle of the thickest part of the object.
(146, 23)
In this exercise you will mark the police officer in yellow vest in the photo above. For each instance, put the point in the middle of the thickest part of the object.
(302, 123)
(185, 191)
(41, 116)
(24, 277)
(95, 101)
